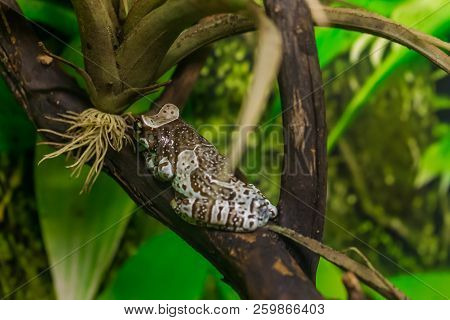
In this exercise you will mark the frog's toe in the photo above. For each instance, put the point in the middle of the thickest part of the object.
(150, 161)
(273, 211)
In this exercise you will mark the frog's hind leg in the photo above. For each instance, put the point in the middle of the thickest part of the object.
(182, 206)
(203, 211)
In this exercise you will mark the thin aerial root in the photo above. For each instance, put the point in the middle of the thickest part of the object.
(47, 143)
(54, 133)
(89, 136)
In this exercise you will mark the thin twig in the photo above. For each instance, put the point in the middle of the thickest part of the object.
(370, 266)
(353, 287)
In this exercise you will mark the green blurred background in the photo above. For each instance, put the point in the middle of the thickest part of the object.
(388, 115)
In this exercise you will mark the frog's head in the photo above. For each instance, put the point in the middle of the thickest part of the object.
(168, 113)
(146, 126)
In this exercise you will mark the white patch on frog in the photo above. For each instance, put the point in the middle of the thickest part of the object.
(220, 212)
(187, 162)
(168, 113)
(165, 170)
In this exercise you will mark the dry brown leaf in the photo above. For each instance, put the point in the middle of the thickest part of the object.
(267, 63)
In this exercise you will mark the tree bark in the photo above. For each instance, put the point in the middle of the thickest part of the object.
(258, 265)
(303, 183)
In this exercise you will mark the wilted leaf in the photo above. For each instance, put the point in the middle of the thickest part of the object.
(267, 63)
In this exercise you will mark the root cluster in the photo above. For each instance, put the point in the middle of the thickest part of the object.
(89, 136)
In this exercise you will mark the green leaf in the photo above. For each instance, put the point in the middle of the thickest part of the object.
(329, 281)
(341, 41)
(383, 7)
(81, 232)
(56, 16)
(429, 285)
(226, 292)
(419, 286)
(435, 161)
(164, 267)
(422, 286)
(359, 101)
(427, 16)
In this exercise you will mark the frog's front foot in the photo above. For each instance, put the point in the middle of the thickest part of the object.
(164, 170)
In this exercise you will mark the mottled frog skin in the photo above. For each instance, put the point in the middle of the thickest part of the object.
(206, 192)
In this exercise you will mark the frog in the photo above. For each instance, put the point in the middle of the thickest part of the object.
(207, 192)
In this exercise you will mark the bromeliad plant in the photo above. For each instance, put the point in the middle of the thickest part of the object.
(128, 44)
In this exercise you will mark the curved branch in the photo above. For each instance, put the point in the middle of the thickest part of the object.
(207, 32)
(361, 20)
(210, 29)
(257, 265)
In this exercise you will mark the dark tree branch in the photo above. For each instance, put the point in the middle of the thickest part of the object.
(303, 192)
(257, 265)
